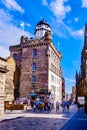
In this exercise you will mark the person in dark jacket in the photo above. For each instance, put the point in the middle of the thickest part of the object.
(85, 108)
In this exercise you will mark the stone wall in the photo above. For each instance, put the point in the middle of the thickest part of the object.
(9, 84)
(2, 83)
(24, 60)
(41, 73)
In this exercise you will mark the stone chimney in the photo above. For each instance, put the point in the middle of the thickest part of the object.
(24, 39)
(48, 35)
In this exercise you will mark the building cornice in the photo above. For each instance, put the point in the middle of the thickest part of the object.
(1, 58)
(35, 43)
(3, 69)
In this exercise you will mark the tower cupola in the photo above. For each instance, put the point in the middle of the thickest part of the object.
(41, 28)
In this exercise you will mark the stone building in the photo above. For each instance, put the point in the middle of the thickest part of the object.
(38, 62)
(3, 71)
(9, 82)
(81, 77)
(63, 89)
(74, 93)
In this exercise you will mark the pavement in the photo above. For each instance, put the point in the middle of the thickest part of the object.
(77, 122)
(30, 120)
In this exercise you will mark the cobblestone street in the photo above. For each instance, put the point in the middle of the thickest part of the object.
(28, 120)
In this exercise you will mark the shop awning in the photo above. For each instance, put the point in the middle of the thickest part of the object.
(32, 94)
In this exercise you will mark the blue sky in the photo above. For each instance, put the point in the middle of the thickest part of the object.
(66, 18)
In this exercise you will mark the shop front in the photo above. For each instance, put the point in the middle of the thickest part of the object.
(33, 95)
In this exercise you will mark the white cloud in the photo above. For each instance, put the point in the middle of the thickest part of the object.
(68, 84)
(75, 63)
(28, 24)
(70, 80)
(84, 3)
(59, 9)
(44, 2)
(10, 34)
(69, 21)
(22, 24)
(78, 33)
(62, 30)
(4, 52)
(12, 4)
(75, 33)
(76, 19)
(4, 17)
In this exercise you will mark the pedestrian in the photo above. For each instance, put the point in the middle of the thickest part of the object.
(68, 105)
(34, 106)
(45, 105)
(85, 108)
(64, 106)
(78, 105)
(49, 106)
(57, 106)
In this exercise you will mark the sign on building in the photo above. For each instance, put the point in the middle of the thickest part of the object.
(81, 100)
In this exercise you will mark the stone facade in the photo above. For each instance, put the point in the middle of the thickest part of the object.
(3, 71)
(63, 88)
(39, 65)
(81, 77)
(74, 93)
(9, 83)
(26, 83)
(54, 73)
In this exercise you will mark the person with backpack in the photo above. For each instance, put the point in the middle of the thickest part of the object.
(68, 105)
(64, 106)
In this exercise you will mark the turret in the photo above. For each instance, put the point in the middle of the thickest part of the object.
(23, 39)
(48, 35)
(85, 36)
(41, 28)
(77, 76)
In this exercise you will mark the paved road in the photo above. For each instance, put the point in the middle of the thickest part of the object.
(78, 122)
(28, 120)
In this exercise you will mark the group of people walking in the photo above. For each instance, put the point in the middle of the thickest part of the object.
(40, 105)
(65, 105)
(47, 106)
